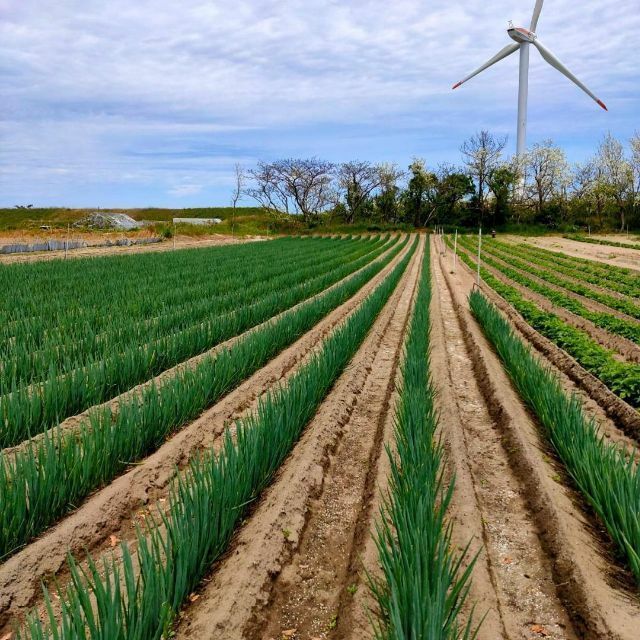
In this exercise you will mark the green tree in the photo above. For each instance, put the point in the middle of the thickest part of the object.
(452, 187)
(420, 196)
(500, 181)
(358, 180)
(387, 203)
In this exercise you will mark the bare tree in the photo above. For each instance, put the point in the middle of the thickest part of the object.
(238, 191)
(358, 180)
(300, 186)
(481, 154)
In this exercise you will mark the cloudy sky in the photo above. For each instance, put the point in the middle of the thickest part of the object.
(134, 103)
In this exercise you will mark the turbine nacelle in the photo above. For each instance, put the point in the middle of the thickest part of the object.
(521, 35)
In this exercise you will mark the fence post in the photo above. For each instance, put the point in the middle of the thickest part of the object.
(479, 247)
(66, 242)
(455, 251)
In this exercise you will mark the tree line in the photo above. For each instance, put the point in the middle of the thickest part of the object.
(488, 188)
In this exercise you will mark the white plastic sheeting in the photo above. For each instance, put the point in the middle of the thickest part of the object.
(60, 245)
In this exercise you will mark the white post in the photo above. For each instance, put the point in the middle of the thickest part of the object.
(479, 246)
(589, 230)
(523, 92)
(174, 233)
(455, 251)
(66, 242)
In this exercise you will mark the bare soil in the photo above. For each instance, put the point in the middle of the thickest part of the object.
(512, 581)
(619, 237)
(618, 256)
(295, 558)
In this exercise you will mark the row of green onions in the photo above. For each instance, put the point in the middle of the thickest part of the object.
(423, 585)
(140, 596)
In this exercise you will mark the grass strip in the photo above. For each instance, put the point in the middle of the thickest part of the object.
(176, 547)
(606, 243)
(622, 378)
(606, 475)
(422, 588)
(43, 481)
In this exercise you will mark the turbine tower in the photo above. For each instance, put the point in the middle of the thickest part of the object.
(523, 38)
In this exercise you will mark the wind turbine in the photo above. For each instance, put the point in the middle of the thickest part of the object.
(523, 38)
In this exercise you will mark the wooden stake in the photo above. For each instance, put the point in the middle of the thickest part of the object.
(455, 251)
(479, 247)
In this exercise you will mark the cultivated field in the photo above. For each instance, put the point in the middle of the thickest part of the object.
(336, 438)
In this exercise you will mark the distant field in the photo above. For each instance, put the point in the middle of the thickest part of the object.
(248, 219)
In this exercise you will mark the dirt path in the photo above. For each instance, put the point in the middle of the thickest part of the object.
(182, 242)
(618, 256)
(632, 239)
(542, 572)
(296, 556)
(113, 509)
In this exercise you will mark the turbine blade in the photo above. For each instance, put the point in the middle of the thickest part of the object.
(554, 62)
(503, 53)
(536, 14)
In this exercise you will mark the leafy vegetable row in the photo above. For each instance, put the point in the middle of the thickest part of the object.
(512, 255)
(626, 328)
(622, 378)
(589, 272)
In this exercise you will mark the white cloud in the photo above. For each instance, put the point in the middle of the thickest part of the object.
(145, 91)
(183, 190)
